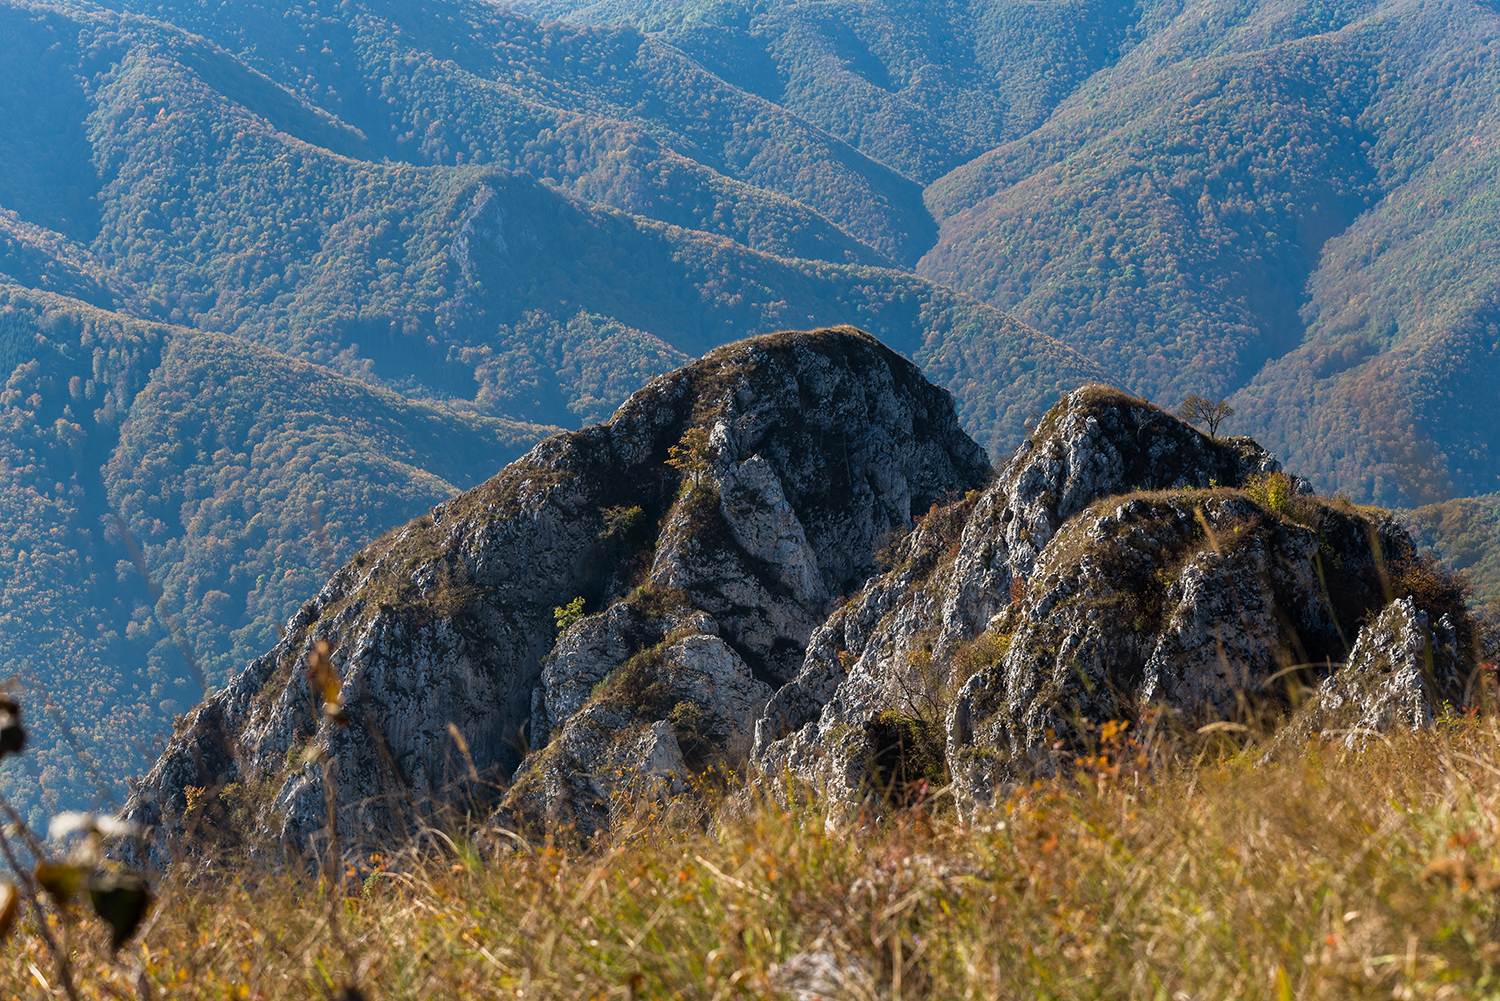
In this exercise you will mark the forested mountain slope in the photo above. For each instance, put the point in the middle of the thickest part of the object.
(1293, 206)
(606, 114)
(1465, 532)
(167, 498)
(480, 224)
(1197, 197)
(923, 87)
(1286, 201)
(250, 218)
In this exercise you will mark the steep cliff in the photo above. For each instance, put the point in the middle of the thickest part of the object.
(1121, 560)
(706, 587)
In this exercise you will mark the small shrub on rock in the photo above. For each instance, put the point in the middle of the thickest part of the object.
(692, 456)
(624, 524)
(566, 615)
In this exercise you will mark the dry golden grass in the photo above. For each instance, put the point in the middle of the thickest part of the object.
(1323, 874)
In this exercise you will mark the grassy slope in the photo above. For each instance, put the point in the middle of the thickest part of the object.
(1323, 874)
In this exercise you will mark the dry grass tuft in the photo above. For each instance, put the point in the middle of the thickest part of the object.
(1322, 874)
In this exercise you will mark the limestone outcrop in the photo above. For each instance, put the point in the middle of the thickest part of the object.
(1404, 669)
(828, 584)
(1120, 560)
(444, 636)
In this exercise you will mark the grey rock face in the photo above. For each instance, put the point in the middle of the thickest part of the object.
(1192, 603)
(874, 652)
(756, 608)
(825, 441)
(711, 675)
(662, 766)
(604, 756)
(1098, 442)
(583, 656)
(591, 648)
(1112, 565)
(1400, 673)
(758, 555)
(766, 528)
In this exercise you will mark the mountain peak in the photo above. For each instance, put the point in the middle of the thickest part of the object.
(1122, 566)
(1100, 441)
(819, 444)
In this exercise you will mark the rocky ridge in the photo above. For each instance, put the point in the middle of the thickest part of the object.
(1403, 669)
(1121, 561)
(837, 590)
(444, 633)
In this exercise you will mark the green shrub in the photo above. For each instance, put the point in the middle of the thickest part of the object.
(908, 759)
(623, 524)
(568, 614)
(1273, 491)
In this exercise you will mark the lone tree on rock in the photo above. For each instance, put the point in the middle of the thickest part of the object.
(693, 455)
(1198, 410)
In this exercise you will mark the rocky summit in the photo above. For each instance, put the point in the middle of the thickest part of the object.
(1121, 565)
(699, 588)
(786, 559)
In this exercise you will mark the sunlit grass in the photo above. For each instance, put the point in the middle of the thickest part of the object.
(1322, 874)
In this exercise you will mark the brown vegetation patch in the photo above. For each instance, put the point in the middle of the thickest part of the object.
(1204, 875)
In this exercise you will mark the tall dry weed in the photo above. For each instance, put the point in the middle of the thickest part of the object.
(1317, 873)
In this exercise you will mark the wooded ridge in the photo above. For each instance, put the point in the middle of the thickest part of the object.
(278, 280)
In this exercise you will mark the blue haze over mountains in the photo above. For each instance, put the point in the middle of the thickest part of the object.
(275, 278)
